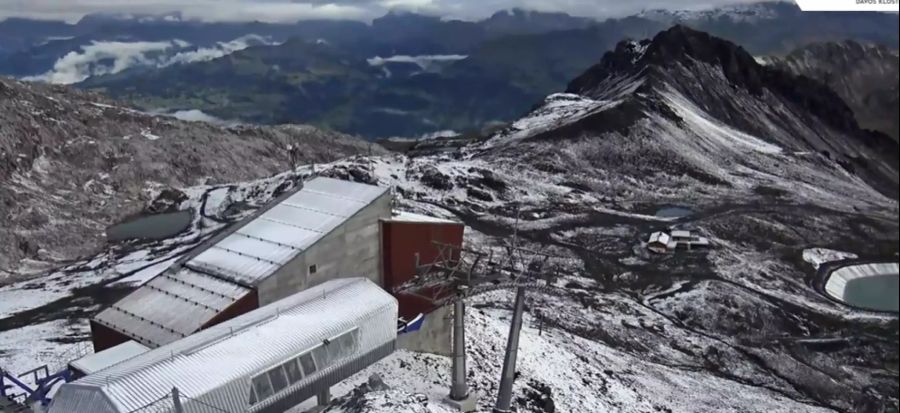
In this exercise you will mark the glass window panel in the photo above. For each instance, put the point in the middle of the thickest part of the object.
(278, 379)
(337, 348)
(309, 367)
(252, 396)
(321, 356)
(262, 386)
(350, 342)
(293, 371)
(344, 345)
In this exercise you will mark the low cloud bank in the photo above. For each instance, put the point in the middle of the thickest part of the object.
(110, 57)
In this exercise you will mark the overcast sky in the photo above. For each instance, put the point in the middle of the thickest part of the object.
(292, 10)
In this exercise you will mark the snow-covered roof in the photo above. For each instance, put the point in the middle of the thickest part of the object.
(170, 306)
(404, 216)
(181, 301)
(269, 240)
(699, 241)
(681, 234)
(93, 363)
(214, 367)
(659, 237)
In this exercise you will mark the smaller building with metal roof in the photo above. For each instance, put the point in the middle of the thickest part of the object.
(267, 360)
(323, 229)
(663, 242)
(95, 362)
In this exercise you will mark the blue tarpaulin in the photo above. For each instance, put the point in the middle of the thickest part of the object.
(415, 324)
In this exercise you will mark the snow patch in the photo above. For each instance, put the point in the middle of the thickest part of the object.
(818, 256)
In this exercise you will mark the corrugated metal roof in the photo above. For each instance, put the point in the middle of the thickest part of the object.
(659, 237)
(261, 246)
(93, 363)
(171, 306)
(216, 364)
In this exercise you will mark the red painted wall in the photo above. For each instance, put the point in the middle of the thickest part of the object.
(104, 337)
(243, 305)
(400, 242)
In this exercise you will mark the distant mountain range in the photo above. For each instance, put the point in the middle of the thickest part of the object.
(402, 75)
(864, 75)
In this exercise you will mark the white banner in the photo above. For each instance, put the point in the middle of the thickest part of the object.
(849, 5)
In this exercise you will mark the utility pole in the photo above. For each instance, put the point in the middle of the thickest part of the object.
(459, 391)
(504, 394)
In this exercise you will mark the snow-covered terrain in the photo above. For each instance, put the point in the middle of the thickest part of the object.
(736, 328)
(73, 163)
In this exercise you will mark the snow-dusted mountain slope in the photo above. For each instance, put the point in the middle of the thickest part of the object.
(864, 75)
(72, 163)
(681, 121)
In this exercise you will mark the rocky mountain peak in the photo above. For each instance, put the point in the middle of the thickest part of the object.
(663, 59)
(678, 44)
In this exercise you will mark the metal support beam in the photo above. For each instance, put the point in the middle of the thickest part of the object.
(176, 400)
(459, 390)
(504, 394)
(324, 397)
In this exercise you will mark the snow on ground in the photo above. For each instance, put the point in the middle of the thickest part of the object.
(131, 264)
(143, 275)
(818, 256)
(581, 375)
(715, 134)
(150, 136)
(53, 343)
(558, 109)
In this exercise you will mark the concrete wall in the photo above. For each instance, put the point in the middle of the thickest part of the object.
(352, 249)
(435, 336)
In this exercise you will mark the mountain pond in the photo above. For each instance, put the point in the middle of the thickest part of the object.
(151, 227)
(673, 211)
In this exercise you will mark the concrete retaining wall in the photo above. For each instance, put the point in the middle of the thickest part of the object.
(837, 281)
(434, 336)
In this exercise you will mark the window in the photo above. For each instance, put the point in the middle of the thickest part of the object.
(321, 356)
(278, 379)
(288, 373)
(343, 346)
(293, 371)
(309, 366)
(312, 269)
(262, 387)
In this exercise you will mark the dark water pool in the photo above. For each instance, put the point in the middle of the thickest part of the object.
(673, 212)
(151, 227)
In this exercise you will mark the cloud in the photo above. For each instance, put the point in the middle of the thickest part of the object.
(423, 61)
(195, 115)
(293, 10)
(100, 58)
(109, 57)
(217, 51)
